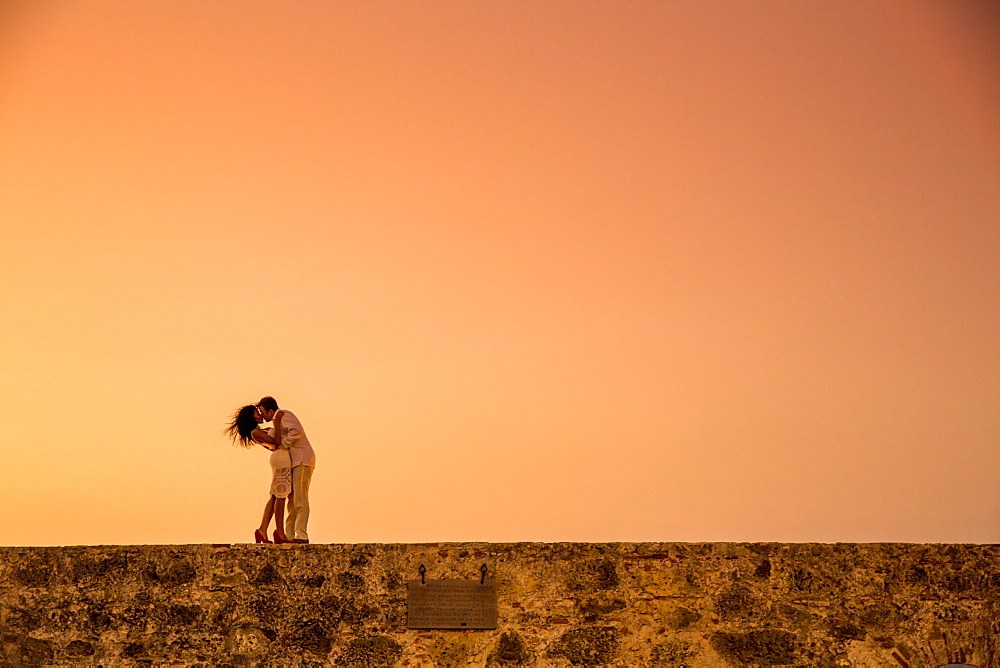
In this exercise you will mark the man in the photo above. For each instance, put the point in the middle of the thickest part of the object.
(288, 432)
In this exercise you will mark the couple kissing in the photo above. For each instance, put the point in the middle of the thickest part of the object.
(292, 464)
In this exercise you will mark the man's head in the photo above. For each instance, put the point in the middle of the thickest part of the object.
(266, 408)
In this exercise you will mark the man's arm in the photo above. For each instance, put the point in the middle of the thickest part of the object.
(276, 421)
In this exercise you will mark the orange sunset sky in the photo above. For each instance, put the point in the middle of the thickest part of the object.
(547, 271)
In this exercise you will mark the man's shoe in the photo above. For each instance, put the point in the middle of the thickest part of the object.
(300, 540)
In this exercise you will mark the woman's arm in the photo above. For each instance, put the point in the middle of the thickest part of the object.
(264, 439)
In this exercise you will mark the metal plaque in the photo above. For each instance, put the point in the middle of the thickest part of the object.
(451, 604)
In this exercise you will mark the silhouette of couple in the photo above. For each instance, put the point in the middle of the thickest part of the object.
(292, 464)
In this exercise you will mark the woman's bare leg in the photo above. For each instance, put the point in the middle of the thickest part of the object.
(290, 519)
(279, 516)
(268, 512)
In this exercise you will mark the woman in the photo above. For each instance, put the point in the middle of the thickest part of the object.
(245, 431)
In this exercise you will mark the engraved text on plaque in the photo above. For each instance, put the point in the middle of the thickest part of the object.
(451, 604)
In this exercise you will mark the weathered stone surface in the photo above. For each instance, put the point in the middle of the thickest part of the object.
(559, 604)
(769, 648)
(510, 650)
(588, 646)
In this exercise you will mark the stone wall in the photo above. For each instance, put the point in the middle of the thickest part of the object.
(623, 604)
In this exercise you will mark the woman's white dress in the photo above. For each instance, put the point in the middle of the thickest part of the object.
(281, 470)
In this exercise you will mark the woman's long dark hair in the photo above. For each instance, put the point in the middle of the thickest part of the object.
(244, 422)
